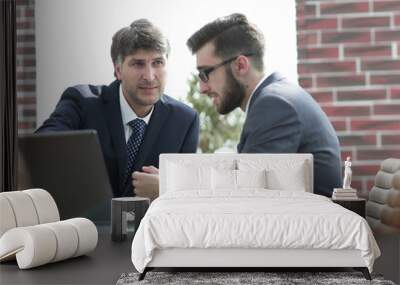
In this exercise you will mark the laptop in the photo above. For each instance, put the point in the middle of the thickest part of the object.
(71, 167)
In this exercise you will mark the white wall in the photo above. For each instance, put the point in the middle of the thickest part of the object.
(73, 39)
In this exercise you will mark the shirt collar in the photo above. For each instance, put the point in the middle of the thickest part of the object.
(126, 111)
(252, 93)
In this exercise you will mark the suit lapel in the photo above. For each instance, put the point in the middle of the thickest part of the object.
(112, 112)
(157, 120)
(269, 80)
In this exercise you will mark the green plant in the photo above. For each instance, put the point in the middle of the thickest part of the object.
(216, 131)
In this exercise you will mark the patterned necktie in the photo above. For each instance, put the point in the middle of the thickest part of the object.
(138, 127)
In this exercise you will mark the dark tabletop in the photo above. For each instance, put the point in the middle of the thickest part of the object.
(104, 265)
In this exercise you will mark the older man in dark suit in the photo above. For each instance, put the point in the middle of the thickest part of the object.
(281, 117)
(134, 120)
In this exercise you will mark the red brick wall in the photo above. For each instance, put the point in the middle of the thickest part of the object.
(26, 66)
(349, 60)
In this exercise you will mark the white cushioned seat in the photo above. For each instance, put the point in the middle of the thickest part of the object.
(67, 237)
(45, 206)
(26, 208)
(31, 231)
(7, 218)
(87, 235)
(23, 208)
(32, 246)
(41, 244)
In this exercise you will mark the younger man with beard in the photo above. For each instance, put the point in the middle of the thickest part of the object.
(281, 117)
(134, 120)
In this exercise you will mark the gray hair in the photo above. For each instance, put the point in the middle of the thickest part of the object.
(141, 34)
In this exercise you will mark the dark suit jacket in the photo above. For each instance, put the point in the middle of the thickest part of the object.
(283, 118)
(173, 128)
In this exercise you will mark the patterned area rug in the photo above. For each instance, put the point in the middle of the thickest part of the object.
(242, 278)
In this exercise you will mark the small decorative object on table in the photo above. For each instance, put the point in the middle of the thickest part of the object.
(126, 214)
(347, 196)
(345, 193)
(347, 173)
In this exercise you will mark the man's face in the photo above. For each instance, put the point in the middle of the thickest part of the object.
(225, 90)
(142, 76)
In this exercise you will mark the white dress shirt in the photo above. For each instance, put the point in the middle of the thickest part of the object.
(252, 93)
(128, 114)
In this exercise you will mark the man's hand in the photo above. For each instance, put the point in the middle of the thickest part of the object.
(146, 183)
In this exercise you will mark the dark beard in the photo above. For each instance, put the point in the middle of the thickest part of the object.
(234, 93)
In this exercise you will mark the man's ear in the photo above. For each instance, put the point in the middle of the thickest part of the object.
(242, 65)
(117, 71)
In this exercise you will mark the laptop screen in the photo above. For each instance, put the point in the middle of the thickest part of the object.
(70, 166)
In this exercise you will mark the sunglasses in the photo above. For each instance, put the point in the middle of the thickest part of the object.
(205, 72)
